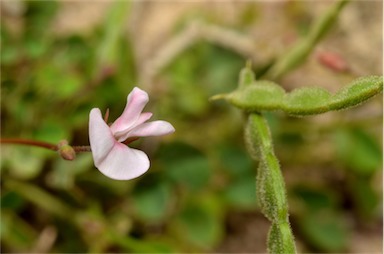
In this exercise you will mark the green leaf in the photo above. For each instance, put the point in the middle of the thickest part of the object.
(193, 172)
(326, 230)
(235, 161)
(200, 223)
(151, 203)
(68, 86)
(365, 198)
(241, 193)
(358, 150)
(186, 165)
(51, 130)
(315, 199)
(159, 246)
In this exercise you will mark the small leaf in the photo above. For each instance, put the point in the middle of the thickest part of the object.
(315, 199)
(186, 165)
(51, 130)
(359, 151)
(151, 203)
(193, 173)
(236, 162)
(242, 193)
(325, 230)
(200, 223)
(365, 198)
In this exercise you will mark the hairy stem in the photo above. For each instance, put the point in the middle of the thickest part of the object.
(270, 185)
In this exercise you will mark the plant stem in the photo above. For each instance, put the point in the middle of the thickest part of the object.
(53, 147)
(298, 53)
(29, 142)
(81, 149)
(270, 185)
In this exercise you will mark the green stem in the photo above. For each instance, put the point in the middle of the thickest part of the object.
(298, 53)
(270, 185)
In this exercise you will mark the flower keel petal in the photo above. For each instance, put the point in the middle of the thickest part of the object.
(124, 163)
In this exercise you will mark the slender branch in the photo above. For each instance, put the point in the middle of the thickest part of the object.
(29, 142)
(53, 147)
(80, 149)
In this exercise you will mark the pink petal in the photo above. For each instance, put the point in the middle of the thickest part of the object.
(155, 128)
(136, 101)
(123, 135)
(124, 163)
(100, 136)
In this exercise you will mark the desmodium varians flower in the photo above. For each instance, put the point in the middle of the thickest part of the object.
(110, 153)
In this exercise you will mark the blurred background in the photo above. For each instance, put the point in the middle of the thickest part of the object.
(60, 59)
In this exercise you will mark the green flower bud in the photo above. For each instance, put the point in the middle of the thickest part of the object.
(66, 151)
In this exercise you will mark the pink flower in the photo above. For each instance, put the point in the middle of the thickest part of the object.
(111, 156)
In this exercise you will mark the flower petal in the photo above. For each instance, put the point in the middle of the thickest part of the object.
(155, 128)
(136, 101)
(100, 136)
(123, 135)
(124, 163)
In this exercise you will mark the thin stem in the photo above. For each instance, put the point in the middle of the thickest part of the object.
(81, 149)
(29, 142)
(53, 147)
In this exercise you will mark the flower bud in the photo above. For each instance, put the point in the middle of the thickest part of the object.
(66, 151)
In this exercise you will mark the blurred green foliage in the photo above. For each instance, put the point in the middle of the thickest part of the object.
(199, 175)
